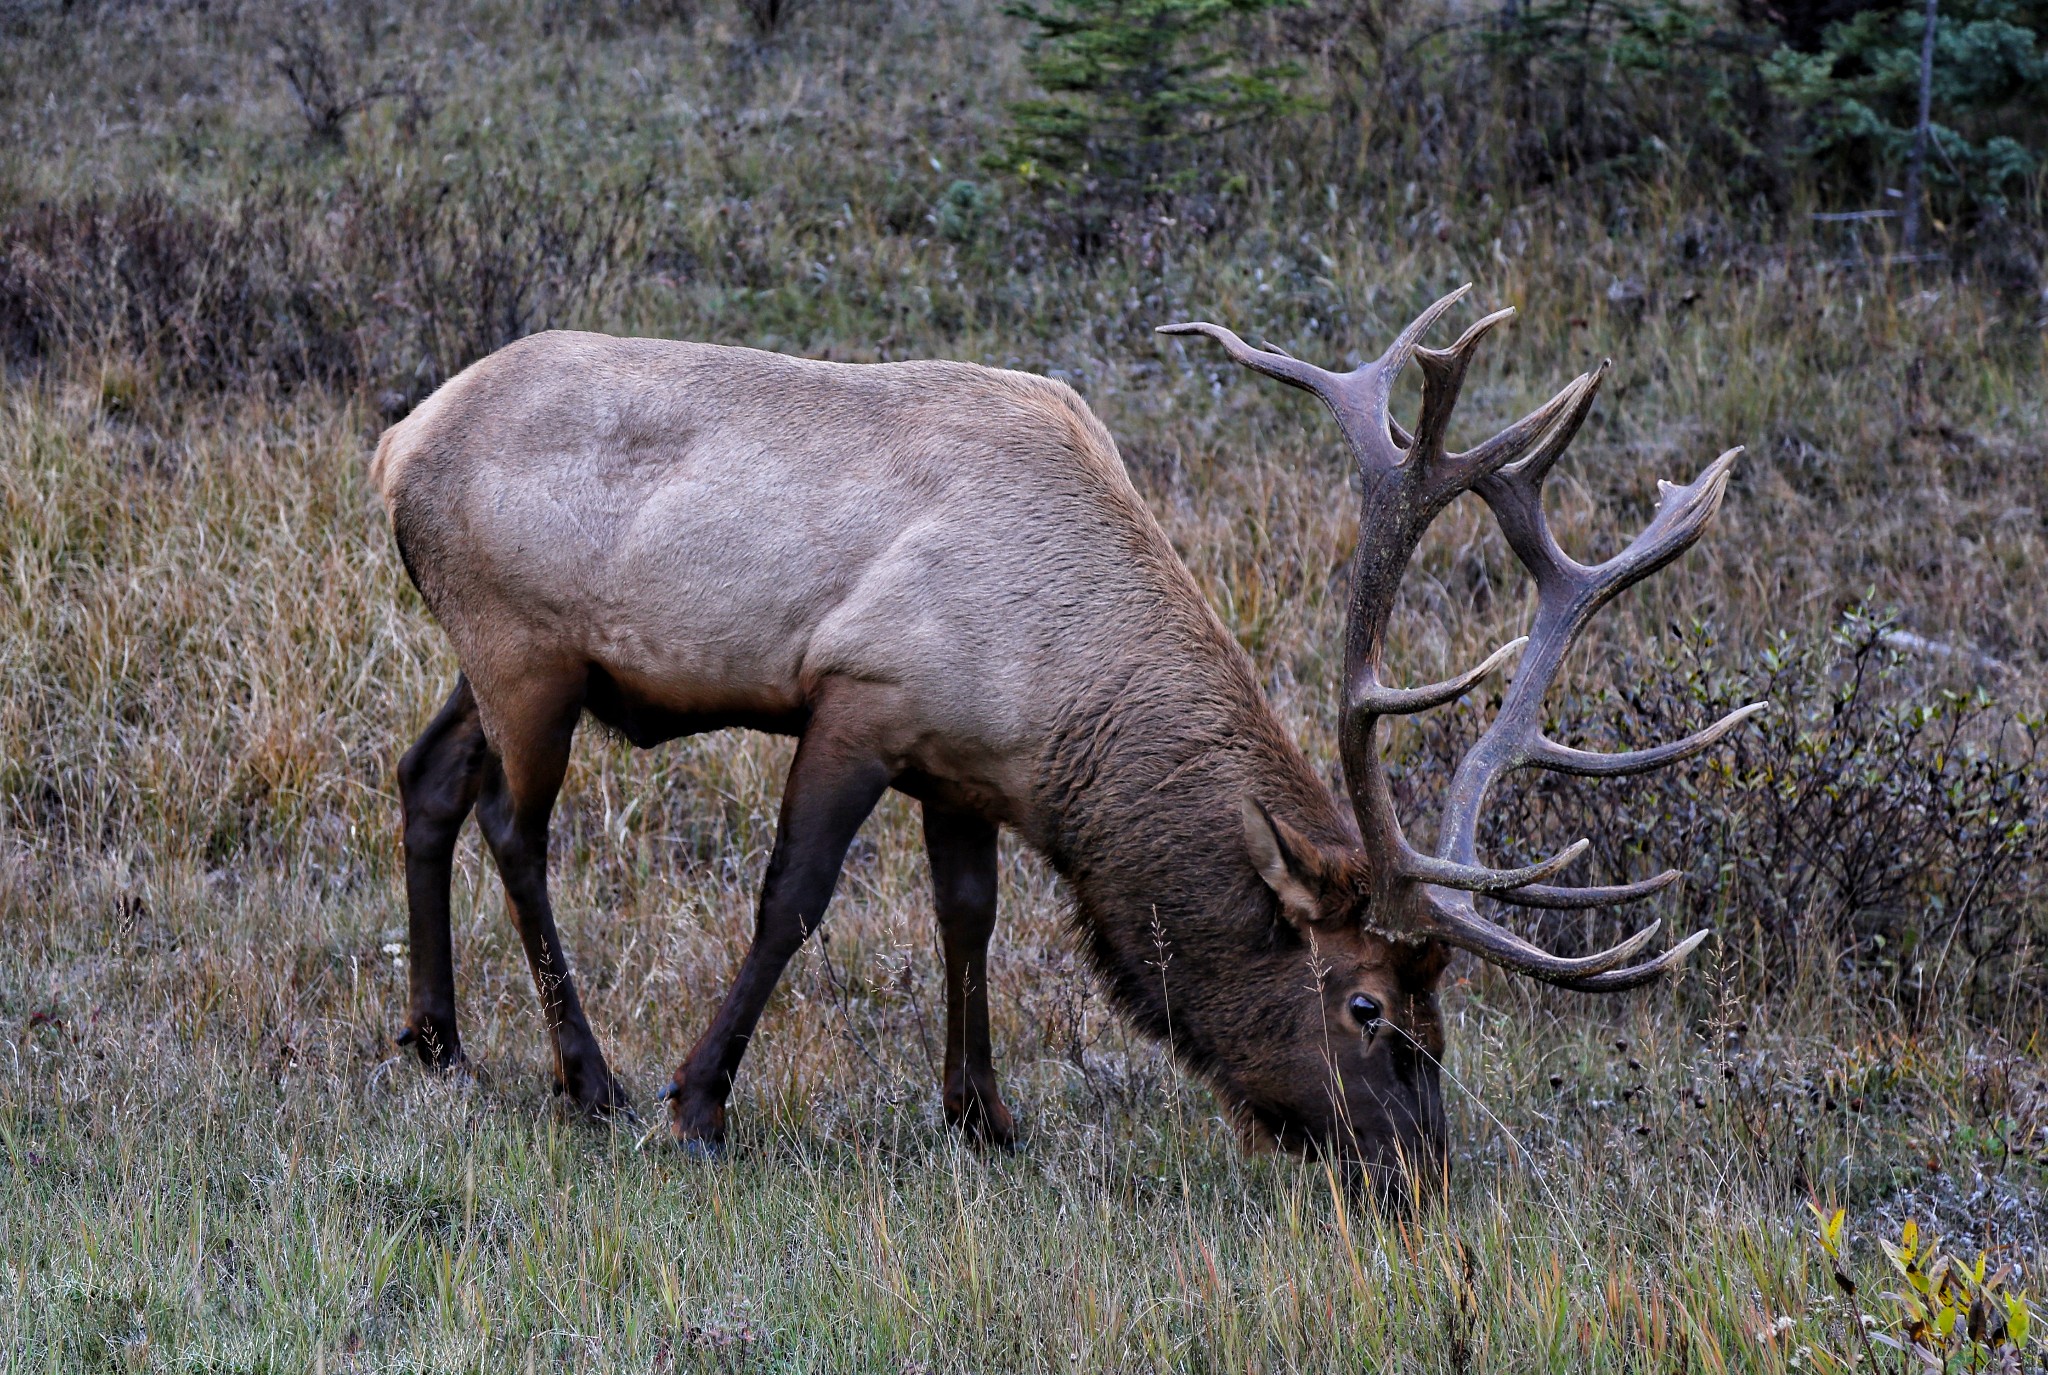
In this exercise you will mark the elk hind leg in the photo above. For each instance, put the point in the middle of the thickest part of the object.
(437, 782)
(962, 849)
(522, 774)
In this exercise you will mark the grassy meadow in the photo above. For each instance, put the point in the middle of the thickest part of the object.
(215, 297)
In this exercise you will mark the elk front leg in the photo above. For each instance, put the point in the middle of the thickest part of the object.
(962, 848)
(521, 776)
(437, 783)
(834, 783)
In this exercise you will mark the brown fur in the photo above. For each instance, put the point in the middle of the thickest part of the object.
(940, 577)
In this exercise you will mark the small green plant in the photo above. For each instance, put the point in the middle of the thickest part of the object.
(1950, 1314)
(962, 209)
(1131, 84)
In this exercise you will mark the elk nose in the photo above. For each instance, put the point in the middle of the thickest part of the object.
(1405, 1059)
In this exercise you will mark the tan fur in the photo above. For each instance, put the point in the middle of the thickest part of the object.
(721, 529)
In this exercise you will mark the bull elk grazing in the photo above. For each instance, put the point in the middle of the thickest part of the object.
(939, 578)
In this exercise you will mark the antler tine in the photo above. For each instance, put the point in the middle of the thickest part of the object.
(1443, 378)
(1271, 362)
(1477, 878)
(1515, 495)
(1545, 753)
(1530, 445)
(1635, 977)
(1578, 899)
(1683, 514)
(1535, 465)
(1396, 357)
(1454, 922)
(1386, 701)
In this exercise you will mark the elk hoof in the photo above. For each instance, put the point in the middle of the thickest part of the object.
(604, 1098)
(698, 1125)
(991, 1133)
(981, 1117)
(436, 1044)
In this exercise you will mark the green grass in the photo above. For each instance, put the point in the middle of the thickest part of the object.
(210, 660)
(213, 1164)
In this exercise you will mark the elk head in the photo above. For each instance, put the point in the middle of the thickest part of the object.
(1381, 918)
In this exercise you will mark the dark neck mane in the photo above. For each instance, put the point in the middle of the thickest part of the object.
(1139, 805)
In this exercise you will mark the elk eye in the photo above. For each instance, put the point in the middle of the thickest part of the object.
(1364, 1009)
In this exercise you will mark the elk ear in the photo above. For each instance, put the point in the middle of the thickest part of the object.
(1286, 860)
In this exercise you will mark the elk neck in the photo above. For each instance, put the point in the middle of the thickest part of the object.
(1139, 810)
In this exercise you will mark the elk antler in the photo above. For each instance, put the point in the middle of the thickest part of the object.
(1407, 480)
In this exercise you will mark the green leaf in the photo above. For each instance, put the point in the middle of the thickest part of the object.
(2019, 1321)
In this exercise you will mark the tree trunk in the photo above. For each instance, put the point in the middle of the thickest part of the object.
(1916, 162)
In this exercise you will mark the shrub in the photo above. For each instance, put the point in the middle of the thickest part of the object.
(1872, 817)
(960, 211)
(208, 298)
(376, 284)
(444, 273)
(327, 79)
(1131, 85)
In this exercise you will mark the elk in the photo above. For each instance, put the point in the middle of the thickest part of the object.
(939, 578)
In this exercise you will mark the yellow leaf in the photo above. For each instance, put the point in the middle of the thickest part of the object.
(1909, 1239)
(1830, 1228)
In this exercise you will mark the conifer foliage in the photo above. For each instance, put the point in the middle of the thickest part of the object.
(1132, 87)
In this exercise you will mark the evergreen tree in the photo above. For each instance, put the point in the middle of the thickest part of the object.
(1132, 85)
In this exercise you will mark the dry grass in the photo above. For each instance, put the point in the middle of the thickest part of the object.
(211, 660)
